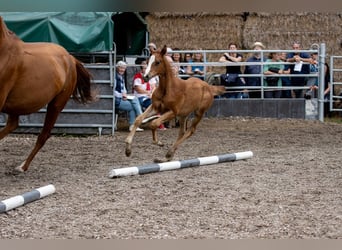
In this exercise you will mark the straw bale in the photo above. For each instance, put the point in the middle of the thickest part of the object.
(204, 30)
(188, 31)
(279, 30)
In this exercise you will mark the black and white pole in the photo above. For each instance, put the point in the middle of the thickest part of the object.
(25, 198)
(172, 165)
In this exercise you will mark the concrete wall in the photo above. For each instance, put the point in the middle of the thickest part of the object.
(272, 108)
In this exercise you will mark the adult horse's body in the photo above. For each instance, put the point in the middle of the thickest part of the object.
(174, 97)
(33, 75)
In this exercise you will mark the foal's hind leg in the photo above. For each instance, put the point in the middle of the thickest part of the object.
(52, 113)
(184, 135)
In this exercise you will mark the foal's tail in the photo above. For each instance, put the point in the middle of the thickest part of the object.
(83, 93)
(217, 90)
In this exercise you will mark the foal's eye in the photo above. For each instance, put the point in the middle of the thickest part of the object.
(157, 63)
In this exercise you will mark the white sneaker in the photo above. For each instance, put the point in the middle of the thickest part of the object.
(138, 129)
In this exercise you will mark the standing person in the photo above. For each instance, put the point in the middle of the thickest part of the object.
(285, 80)
(271, 72)
(300, 65)
(312, 82)
(231, 78)
(254, 69)
(122, 101)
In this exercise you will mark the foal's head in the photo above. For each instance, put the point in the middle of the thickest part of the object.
(158, 64)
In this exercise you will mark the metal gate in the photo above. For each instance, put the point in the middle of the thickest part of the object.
(335, 82)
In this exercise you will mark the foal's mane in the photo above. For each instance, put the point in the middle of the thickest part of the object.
(168, 68)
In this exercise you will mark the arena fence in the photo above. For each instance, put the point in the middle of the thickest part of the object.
(336, 83)
(99, 117)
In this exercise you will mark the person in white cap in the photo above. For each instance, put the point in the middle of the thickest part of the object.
(122, 101)
(254, 69)
(151, 47)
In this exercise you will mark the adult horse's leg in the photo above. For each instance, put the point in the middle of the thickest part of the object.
(138, 121)
(11, 124)
(53, 110)
(188, 132)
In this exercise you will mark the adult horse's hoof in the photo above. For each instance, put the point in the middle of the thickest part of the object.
(159, 143)
(19, 169)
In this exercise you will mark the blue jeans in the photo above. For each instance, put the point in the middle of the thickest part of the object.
(133, 107)
(145, 102)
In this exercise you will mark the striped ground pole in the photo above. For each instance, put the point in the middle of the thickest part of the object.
(173, 165)
(25, 198)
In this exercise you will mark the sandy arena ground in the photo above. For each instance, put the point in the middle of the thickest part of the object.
(291, 188)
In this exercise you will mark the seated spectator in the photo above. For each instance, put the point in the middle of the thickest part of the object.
(142, 88)
(122, 100)
(177, 58)
(231, 78)
(271, 72)
(187, 68)
(151, 47)
(196, 70)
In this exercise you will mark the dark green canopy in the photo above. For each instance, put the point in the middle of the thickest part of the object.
(75, 31)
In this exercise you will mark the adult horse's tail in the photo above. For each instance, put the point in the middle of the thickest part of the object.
(83, 92)
(217, 90)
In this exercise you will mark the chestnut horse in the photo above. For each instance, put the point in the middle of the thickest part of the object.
(33, 75)
(174, 97)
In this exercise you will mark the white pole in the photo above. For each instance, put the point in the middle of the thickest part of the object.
(25, 198)
(173, 165)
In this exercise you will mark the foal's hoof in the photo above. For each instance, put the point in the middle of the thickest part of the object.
(128, 152)
(169, 156)
(158, 161)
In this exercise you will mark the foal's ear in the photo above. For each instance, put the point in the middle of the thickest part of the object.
(163, 51)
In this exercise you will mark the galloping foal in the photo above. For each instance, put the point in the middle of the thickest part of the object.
(33, 75)
(174, 97)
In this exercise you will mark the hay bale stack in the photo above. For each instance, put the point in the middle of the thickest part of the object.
(215, 30)
(279, 30)
(190, 31)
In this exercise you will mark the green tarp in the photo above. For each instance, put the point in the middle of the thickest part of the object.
(75, 31)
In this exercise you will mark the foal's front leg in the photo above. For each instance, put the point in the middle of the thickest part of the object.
(167, 116)
(148, 112)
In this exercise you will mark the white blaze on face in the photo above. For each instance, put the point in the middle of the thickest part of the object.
(152, 58)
